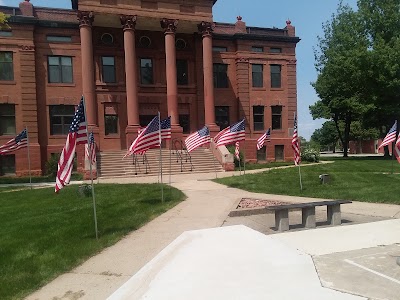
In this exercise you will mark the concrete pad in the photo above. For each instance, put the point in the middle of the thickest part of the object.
(227, 263)
(371, 272)
(343, 238)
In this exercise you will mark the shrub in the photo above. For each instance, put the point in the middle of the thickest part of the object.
(52, 165)
(310, 154)
(231, 149)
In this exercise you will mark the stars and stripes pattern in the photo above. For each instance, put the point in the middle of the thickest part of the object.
(20, 141)
(232, 134)
(397, 149)
(77, 135)
(91, 150)
(197, 139)
(166, 129)
(147, 138)
(266, 137)
(295, 143)
(237, 151)
(390, 136)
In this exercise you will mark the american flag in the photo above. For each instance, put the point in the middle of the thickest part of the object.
(397, 149)
(147, 138)
(77, 135)
(390, 136)
(295, 144)
(91, 150)
(234, 133)
(265, 137)
(166, 129)
(197, 139)
(20, 141)
(237, 151)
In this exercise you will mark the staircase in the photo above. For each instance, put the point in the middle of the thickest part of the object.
(112, 164)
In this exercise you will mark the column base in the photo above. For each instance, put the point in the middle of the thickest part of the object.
(131, 133)
(214, 129)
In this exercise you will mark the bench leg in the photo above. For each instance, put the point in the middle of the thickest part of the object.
(282, 220)
(334, 215)
(308, 217)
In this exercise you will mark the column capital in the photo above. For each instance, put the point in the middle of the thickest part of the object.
(206, 28)
(128, 22)
(169, 25)
(85, 18)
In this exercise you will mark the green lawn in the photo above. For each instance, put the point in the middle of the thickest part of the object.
(251, 166)
(362, 179)
(44, 234)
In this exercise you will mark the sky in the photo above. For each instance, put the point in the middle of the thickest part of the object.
(306, 15)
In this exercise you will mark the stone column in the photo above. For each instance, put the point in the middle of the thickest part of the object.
(169, 27)
(132, 101)
(85, 26)
(206, 29)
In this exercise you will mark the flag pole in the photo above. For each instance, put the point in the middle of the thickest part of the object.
(159, 134)
(301, 184)
(240, 167)
(215, 167)
(90, 168)
(294, 118)
(244, 158)
(29, 157)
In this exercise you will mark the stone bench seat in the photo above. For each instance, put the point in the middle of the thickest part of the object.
(308, 213)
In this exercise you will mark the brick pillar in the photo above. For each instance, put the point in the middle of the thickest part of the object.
(169, 27)
(132, 100)
(29, 114)
(206, 29)
(85, 25)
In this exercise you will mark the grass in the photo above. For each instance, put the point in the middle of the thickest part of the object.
(44, 234)
(252, 166)
(360, 179)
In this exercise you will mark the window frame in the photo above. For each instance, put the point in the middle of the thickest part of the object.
(143, 68)
(219, 49)
(184, 122)
(258, 125)
(275, 50)
(220, 77)
(60, 66)
(254, 80)
(274, 116)
(105, 69)
(54, 38)
(257, 49)
(3, 66)
(7, 116)
(2, 170)
(276, 77)
(65, 124)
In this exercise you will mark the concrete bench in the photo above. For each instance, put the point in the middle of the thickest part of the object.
(308, 213)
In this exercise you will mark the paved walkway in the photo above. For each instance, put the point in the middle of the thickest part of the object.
(207, 206)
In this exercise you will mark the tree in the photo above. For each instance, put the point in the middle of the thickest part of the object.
(326, 136)
(3, 20)
(340, 63)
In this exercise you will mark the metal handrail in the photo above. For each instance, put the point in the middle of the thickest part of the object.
(187, 155)
(181, 154)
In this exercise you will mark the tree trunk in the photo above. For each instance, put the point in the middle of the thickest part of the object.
(346, 134)
(386, 151)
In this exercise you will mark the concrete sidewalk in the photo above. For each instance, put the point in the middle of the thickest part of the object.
(207, 206)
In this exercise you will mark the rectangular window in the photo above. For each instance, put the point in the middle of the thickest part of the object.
(262, 153)
(275, 76)
(276, 117)
(146, 71)
(108, 69)
(222, 116)
(110, 119)
(61, 117)
(184, 122)
(182, 72)
(257, 49)
(144, 120)
(59, 39)
(7, 119)
(219, 49)
(6, 66)
(6, 33)
(7, 165)
(257, 75)
(60, 69)
(279, 152)
(258, 118)
(220, 75)
(275, 50)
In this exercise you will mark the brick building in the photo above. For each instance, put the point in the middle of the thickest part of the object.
(172, 56)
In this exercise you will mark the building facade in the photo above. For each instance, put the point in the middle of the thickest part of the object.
(131, 59)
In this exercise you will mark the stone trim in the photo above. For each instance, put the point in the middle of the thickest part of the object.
(85, 18)
(206, 28)
(128, 22)
(169, 25)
